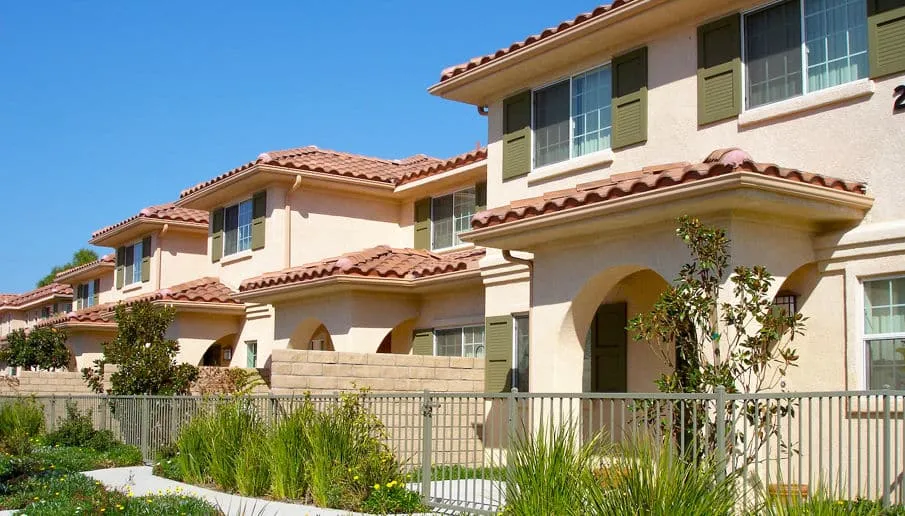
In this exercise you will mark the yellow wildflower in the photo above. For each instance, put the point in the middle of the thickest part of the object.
(355, 477)
(377, 487)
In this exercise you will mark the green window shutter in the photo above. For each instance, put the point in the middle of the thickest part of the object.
(217, 235)
(498, 354)
(719, 70)
(79, 295)
(120, 266)
(480, 196)
(146, 259)
(423, 342)
(629, 103)
(517, 135)
(97, 292)
(259, 215)
(886, 36)
(423, 223)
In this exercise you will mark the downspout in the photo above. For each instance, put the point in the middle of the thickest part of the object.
(166, 227)
(483, 110)
(507, 255)
(287, 237)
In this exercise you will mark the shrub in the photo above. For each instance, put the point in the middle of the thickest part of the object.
(550, 472)
(289, 451)
(823, 502)
(392, 498)
(348, 455)
(20, 422)
(39, 348)
(78, 430)
(652, 477)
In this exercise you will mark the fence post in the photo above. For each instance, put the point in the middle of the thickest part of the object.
(721, 432)
(511, 402)
(144, 426)
(53, 411)
(887, 443)
(427, 411)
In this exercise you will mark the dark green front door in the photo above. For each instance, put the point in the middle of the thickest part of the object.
(608, 354)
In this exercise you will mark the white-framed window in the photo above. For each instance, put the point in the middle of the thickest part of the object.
(572, 117)
(459, 342)
(85, 293)
(794, 47)
(237, 227)
(450, 216)
(134, 254)
(520, 352)
(884, 332)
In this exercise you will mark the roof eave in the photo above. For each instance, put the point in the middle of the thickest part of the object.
(209, 307)
(83, 274)
(739, 191)
(471, 172)
(141, 226)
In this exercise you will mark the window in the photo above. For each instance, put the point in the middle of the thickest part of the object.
(237, 228)
(86, 293)
(884, 332)
(133, 255)
(573, 117)
(251, 353)
(800, 46)
(46, 312)
(450, 216)
(520, 360)
(460, 342)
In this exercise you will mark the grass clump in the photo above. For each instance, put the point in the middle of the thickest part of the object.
(289, 451)
(21, 422)
(230, 427)
(194, 449)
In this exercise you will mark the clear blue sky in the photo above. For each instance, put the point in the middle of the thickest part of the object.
(107, 106)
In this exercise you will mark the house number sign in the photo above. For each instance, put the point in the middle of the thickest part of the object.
(900, 98)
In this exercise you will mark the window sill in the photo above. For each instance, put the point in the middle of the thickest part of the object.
(458, 247)
(132, 287)
(233, 258)
(570, 166)
(809, 102)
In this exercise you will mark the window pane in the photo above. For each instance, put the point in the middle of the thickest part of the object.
(89, 289)
(884, 306)
(463, 211)
(521, 353)
(473, 338)
(551, 124)
(773, 54)
(231, 230)
(136, 270)
(244, 229)
(591, 115)
(442, 222)
(130, 261)
(449, 342)
(836, 42)
(887, 363)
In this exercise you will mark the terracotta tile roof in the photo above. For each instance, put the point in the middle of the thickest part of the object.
(54, 289)
(203, 290)
(165, 212)
(107, 259)
(5, 298)
(452, 163)
(718, 163)
(376, 262)
(313, 159)
(567, 25)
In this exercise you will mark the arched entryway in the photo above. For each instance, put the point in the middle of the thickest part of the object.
(220, 353)
(311, 334)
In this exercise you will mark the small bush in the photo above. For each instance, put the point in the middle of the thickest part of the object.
(392, 498)
(824, 502)
(21, 421)
(77, 429)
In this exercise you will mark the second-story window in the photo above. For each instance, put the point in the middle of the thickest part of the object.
(87, 294)
(451, 215)
(573, 117)
(799, 46)
(237, 227)
(133, 263)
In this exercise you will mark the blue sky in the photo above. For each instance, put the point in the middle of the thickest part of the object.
(107, 107)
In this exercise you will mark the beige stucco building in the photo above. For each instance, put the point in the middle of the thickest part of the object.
(778, 121)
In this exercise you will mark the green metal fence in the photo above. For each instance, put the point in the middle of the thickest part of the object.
(455, 445)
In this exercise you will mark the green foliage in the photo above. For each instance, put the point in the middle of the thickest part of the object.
(392, 498)
(167, 465)
(39, 348)
(253, 466)
(231, 427)
(145, 358)
(824, 503)
(77, 429)
(651, 477)
(194, 445)
(80, 257)
(21, 422)
(550, 472)
(289, 451)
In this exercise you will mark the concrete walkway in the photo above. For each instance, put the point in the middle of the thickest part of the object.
(142, 482)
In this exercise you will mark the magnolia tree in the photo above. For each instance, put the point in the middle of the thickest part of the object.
(38, 349)
(709, 339)
(145, 358)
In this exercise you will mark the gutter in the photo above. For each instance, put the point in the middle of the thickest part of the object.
(507, 255)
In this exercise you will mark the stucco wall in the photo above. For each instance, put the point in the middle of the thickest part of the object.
(195, 332)
(296, 371)
(141, 287)
(184, 258)
(86, 346)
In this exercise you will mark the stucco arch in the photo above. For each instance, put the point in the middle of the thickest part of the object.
(219, 346)
(311, 333)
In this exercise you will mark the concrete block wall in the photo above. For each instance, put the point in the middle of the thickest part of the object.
(297, 371)
(44, 383)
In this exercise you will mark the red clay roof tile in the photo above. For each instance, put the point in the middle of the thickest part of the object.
(106, 260)
(718, 163)
(455, 162)
(378, 262)
(54, 289)
(166, 212)
(567, 25)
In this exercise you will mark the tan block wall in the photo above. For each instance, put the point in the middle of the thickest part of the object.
(297, 371)
(44, 383)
